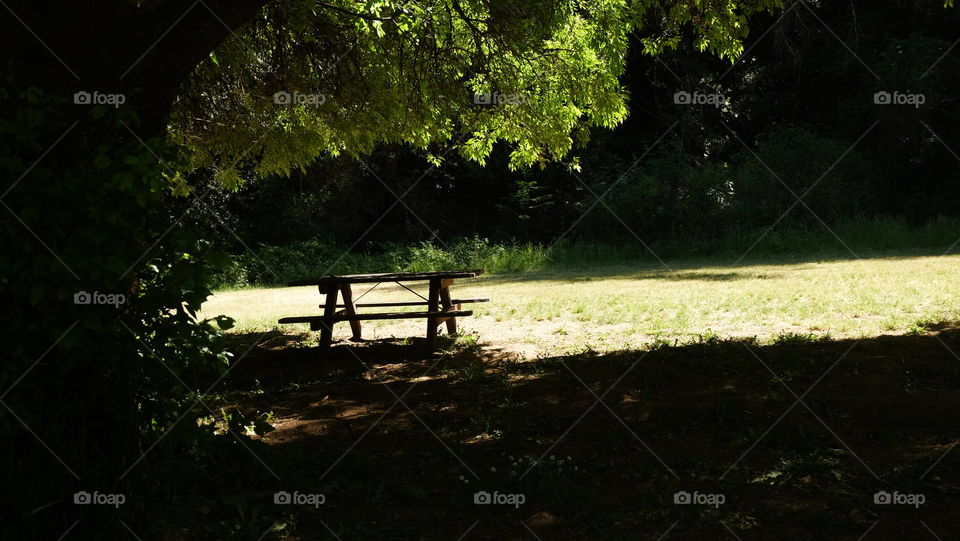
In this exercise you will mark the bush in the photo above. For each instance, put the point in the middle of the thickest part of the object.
(420, 257)
(667, 195)
(797, 160)
(112, 381)
(231, 274)
(468, 253)
(274, 265)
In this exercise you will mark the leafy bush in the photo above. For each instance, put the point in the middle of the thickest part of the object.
(667, 195)
(269, 265)
(280, 264)
(422, 256)
(231, 274)
(90, 386)
(792, 162)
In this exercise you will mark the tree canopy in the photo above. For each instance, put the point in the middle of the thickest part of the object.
(369, 70)
(435, 73)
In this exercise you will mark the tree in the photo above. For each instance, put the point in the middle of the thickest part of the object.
(104, 107)
(386, 71)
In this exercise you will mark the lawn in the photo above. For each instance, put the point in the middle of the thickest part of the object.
(594, 446)
(782, 433)
(615, 307)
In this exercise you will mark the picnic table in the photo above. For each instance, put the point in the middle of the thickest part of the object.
(440, 306)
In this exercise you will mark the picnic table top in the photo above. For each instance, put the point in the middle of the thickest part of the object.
(385, 277)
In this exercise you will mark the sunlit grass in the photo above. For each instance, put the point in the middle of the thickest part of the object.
(610, 307)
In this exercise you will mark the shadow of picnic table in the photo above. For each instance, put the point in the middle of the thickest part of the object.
(718, 417)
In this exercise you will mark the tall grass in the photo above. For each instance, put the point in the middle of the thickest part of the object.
(272, 265)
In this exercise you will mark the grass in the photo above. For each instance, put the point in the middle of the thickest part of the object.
(712, 416)
(699, 367)
(612, 307)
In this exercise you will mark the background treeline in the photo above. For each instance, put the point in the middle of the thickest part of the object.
(797, 102)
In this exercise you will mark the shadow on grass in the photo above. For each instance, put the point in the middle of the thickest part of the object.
(715, 419)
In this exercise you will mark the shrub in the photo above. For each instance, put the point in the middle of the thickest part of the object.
(268, 265)
(668, 194)
(806, 163)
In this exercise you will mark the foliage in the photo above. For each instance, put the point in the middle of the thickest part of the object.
(433, 73)
(670, 195)
(277, 265)
(90, 384)
(793, 163)
(468, 253)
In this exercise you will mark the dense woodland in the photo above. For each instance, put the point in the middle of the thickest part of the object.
(798, 100)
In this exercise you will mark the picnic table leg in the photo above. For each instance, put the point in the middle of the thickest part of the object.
(329, 309)
(433, 299)
(447, 305)
(351, 309)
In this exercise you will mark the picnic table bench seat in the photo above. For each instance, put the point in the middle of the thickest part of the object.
(340, 316)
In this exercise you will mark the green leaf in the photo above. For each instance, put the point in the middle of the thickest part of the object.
(34, 94)
(102, 161)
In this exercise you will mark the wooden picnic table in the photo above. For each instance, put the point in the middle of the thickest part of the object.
(441, 307)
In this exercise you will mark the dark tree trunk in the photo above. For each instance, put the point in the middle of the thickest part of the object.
(113, 46)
